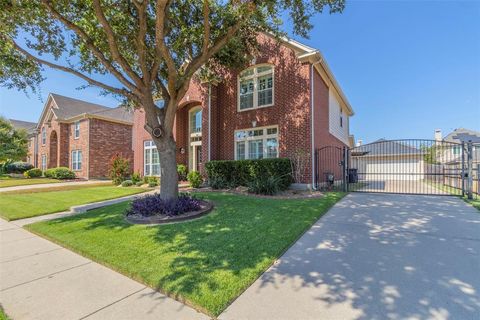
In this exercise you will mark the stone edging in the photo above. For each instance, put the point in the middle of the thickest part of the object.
(207, 207)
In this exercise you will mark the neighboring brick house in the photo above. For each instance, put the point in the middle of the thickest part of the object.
(287, 101)
(80, 135)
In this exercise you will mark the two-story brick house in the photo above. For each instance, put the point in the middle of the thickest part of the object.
(80, 135)
(286, 102)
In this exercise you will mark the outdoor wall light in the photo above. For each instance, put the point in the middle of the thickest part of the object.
(182, 150)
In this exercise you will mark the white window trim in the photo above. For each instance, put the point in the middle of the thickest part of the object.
(77, 158)
(75, 136)
(151, 147)
(44, 163)
(44, 136)
(255, 76)
(264, 137)
(190, 112)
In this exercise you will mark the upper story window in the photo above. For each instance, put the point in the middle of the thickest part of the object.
(44, 135)
(456, 150)
(256, 143)
(76, 129)
(255, 88)
(196, 121)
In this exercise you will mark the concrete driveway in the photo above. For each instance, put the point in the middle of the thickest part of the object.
(376, 256)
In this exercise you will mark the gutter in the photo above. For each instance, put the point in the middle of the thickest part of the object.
(312, 114)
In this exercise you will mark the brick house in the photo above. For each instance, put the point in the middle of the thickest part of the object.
(80, 135)
(286, 102)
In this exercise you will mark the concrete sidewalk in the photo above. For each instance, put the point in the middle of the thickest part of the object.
(54, 185)
(41, 280)
(376, 256)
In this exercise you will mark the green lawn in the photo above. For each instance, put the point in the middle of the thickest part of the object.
(30, 203)
(206, 262)
(474, 202)
(6, 181)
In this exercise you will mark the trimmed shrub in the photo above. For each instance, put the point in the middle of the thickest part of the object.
(127, 183)
(139, 183)
(136, 177)
(119, 169)
(151, 205)
(18, 167)
(195, 179)
(60, 173)
(4, 165)
(182, 172)
(33, 173)
(234, 173)
(152, 181)
(265, 185)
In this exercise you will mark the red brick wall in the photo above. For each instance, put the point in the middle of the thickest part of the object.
(106, 140)
(329, 156)
(81, 143)
(291, 110)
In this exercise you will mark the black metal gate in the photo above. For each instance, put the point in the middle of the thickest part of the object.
(409, 166)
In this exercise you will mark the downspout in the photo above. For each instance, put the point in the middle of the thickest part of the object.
(312, 129)
(209, 120)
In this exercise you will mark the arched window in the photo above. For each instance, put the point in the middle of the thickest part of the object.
(255, 87)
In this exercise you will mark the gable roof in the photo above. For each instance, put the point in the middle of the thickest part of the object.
(25, 125)
(66, 109)
(384, 147)
(462, 134)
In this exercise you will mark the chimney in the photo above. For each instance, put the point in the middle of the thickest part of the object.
(438, 135)
(359, 142)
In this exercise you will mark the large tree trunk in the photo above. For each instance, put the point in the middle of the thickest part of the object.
(166, 147)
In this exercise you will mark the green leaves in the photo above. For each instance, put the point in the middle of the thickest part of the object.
(13, 143)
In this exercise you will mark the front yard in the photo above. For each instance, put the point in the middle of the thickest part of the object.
(6, 181)
(205, 263)
(30, 203)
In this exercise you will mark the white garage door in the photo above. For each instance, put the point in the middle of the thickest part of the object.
(397, 169)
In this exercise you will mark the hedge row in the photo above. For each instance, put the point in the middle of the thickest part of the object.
(233, 173)
(17, 167)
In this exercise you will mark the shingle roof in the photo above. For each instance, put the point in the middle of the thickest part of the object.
(460, 134)
(385, 148)
(69, 108)
(20, 124)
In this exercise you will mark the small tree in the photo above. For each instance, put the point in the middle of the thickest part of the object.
(13, 142)
(299, 161)
(119, 169)
(151, 49)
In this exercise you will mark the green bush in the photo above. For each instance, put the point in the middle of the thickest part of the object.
(33, 173)
(60, 173)
(139, 183)
(182, 172)
(195, 179)
(17, 167)
(265, 185)
(127, 183)
(4, 165)
(234, 173)
(136, 178)
(152, 181)
(119, 169)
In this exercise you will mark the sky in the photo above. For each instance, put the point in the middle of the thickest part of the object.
(406, 67)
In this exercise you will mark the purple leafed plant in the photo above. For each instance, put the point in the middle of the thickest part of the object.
(151, 205)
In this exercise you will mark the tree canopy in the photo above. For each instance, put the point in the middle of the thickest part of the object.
(152, 48)
(13, 142)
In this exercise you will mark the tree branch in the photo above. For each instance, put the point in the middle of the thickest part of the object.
(141, 46)
(121, 91)
(206, 25)
(161, 47)
(112, 43)
(90, 44)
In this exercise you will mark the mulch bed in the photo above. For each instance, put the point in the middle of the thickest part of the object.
(206, 207)
(287, 194)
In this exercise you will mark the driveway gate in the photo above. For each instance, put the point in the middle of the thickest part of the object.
(409, 166)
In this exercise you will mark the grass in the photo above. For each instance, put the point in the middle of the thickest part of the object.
(6, 181)
(474, 202)
(205, 263)
(30, 203)
(457, 192)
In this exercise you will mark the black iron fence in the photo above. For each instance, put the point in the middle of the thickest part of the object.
(409, 166)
